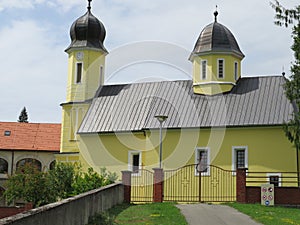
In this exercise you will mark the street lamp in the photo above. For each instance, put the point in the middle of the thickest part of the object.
(161, 119)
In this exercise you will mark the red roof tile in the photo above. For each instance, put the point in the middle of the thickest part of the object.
(30, 136)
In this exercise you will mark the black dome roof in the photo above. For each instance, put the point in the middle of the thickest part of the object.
(87, 31)
(215, 37)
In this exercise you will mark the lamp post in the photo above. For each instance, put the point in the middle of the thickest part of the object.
(161, 119)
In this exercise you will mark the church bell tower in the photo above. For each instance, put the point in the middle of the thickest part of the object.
(86, 66)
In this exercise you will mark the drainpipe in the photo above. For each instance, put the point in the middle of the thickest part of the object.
(12, 162)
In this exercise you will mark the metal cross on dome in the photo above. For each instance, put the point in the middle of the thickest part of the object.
(216, 13)
(89, 6)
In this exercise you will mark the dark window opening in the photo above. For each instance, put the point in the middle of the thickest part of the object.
(7, 133)
(235, 70)
(240, 159)
(79, 73)
(202, 160)
(3, 166)
(29, 162)
(221, 68)
(204, 64)
(135, 163)
(52, 165)
(274, 180)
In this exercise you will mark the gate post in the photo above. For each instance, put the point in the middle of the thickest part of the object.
(158, 185)
(241, 195)
(126, 180)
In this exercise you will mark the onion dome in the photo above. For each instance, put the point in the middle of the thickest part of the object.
(87, 32)
(215, 37)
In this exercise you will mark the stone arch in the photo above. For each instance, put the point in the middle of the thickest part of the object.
(32, 161)
(3, 166)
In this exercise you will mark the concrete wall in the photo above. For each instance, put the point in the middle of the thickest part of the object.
(71, 211)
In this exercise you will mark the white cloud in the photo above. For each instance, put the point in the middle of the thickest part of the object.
(22, 4)
(34, 66)
(33, 71)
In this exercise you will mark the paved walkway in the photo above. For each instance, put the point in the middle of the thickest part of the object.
(203, 214)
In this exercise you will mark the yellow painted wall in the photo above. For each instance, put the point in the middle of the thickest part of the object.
(70, 124)
(203, 86)
(268, 148)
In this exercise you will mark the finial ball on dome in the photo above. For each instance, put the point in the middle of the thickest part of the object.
(216, 13)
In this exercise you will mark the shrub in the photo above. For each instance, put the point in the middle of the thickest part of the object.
(65, 180)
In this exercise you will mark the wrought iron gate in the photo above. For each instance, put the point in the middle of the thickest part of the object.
(188, 184)
(142, 186)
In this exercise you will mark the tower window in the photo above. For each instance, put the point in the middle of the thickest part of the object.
(78, 73)
(236, 71)
(203, 69)
(101, 76)
(220, 68)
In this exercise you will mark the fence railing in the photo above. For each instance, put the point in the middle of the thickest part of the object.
(279, 179)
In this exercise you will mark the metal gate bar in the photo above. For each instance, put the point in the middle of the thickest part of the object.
(142, 186)
(218, 185)
(213, 185)
(181, 185)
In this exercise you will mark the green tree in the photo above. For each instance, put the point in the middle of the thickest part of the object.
(23, 118)
(28, 184)
(92, 180)
(290, 17)
(61, 179)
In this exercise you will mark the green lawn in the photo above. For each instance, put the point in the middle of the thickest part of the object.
(156, 213)
(269, 215)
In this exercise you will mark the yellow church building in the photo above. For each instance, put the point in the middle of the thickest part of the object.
(219, 117)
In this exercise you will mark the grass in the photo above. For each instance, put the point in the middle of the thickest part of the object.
(271, 215)
(155, 213)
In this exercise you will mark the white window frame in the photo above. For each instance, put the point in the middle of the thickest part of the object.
(236, 70)
(274, 174)
(130, 161)
(234, 150)
(76, 73)
(223, 69)
(197, 150)
(202, 69)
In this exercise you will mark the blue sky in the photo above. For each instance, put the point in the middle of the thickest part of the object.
(35, 33)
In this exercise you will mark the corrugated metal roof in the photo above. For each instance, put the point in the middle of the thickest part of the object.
(217, 38)
(254, 101)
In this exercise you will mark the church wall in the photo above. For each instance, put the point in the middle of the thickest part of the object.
(268, 148)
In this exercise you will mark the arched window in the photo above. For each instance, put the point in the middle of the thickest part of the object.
(33, 162)
(3, 166)
(52, 165)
